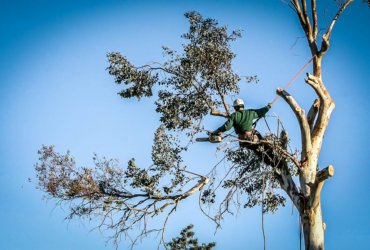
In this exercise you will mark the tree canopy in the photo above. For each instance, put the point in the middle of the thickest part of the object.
(192, 84)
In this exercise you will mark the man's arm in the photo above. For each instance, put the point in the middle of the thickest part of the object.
(262, 111)
(227, 125)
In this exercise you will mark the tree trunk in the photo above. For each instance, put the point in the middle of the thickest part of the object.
(313, 228)
(311, 181)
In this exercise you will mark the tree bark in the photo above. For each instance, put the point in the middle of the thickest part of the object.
(313, 228)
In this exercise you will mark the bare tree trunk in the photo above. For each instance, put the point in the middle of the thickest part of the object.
(313, 228)
(314, 126)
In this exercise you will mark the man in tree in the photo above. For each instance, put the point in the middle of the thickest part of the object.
(126, 199)
(242, 121)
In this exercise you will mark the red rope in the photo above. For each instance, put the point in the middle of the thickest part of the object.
(294, 78)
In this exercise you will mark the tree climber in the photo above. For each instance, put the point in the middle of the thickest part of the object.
(242, 121)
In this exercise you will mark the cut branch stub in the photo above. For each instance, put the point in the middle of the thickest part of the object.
(325, 173)
(321, 176)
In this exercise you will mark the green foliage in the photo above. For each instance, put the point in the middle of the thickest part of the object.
(141, 179)
(59, 176)
(166, 158)
(126, 73)
(186, 241)
(194, 79)
(191, 84)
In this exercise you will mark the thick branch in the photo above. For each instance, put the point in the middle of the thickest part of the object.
(223, 100)
(325, 109)
(321, 176)
(324, 174)
(288, 185)
(218, 113)
(124, 195)
(319, 88)
(201, 183)
(303, 124)
(312, 113)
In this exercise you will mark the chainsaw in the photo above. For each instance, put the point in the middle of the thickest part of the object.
(211, 138)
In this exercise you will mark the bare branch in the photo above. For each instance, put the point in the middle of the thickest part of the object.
(302, 120)
(342, 8)
(165, 223)
(326, 37)
(297, 6)
(218, 225)
(307, 21)
(314, 19)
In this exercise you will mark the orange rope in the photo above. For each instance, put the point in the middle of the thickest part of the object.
(294, 78)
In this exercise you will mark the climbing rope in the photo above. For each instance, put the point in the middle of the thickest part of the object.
(294, 78)
(263, 212)
(300, 233)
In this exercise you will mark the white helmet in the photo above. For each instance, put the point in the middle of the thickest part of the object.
(238, 102)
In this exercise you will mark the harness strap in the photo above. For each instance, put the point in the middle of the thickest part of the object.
(247, 133)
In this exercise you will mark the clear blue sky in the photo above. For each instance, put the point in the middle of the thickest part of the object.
(54, 89)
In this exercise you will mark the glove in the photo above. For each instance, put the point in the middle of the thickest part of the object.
(269, 104)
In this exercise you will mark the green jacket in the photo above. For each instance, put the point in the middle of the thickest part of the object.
(242, 121)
